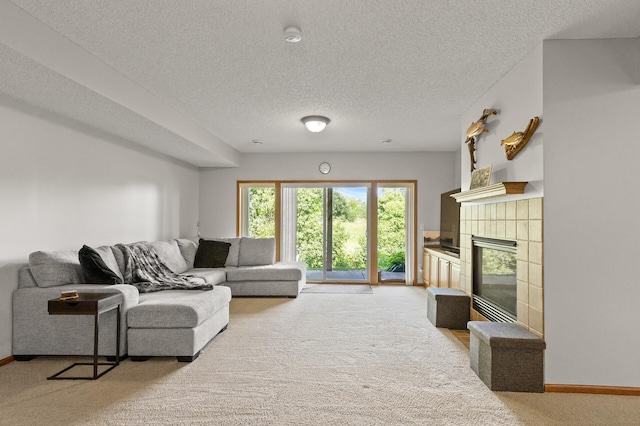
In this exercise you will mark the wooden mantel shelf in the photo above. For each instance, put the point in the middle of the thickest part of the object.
(495, 190)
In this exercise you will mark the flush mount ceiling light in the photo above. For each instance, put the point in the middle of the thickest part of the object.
(385, 141)
(258, 141)
(315, 123)
(292, 34)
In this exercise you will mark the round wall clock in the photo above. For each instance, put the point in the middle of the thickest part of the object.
(324, 168)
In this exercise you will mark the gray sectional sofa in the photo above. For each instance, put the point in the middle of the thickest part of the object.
(164, 323)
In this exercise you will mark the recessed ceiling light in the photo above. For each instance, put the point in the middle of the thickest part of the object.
(292, 34)
(385, 141)
(258, 141)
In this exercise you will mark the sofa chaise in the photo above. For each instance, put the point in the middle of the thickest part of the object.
(164, 323)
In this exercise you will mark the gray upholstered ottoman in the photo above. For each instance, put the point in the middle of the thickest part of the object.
(448, 307)
(506, 357)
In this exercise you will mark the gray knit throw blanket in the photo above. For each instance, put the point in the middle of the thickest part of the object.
(147, 272)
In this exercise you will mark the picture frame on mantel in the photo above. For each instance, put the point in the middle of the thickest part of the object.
(480, 177)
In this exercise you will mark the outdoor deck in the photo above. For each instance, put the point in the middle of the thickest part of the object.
(358, 275)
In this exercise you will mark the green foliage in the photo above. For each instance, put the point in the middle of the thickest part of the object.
(309, 227)
(357, 208)
(348, 209)
(339, 257)
(396, 262)
(262, 212)
(391, 227)
(340, 207)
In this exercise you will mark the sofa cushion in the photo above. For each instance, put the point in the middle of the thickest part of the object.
(53, 268)
(234, 249)
(109, 259)
(94, 267)
(275, 272)
(211, 254)
(188, 249)
(169, 253)
(177, 308)
(257, 251)
(25, 278)
(213, 276)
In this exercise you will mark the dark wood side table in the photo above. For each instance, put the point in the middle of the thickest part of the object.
(90, 304)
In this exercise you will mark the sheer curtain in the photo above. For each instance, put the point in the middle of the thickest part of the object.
(288, 229)
(409, 235)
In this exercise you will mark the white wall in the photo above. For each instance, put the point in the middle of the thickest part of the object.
(63, 185)
(518, 98)
(591, 210)
(458, 172)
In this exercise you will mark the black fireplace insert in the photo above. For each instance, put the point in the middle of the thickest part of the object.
(495, 278)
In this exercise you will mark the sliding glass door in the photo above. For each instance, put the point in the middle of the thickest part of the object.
(331, 232)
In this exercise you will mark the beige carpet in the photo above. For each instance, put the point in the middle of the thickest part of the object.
(316, 360)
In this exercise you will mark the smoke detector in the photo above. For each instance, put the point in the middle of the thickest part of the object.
(292, 34)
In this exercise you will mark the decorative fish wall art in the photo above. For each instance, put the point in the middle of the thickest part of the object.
(475, 130)
(514, 143)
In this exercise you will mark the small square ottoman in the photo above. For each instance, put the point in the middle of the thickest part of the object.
(506, 356)
(448, 307)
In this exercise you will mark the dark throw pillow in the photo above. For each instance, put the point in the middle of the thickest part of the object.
(211, 254)
(94, 269)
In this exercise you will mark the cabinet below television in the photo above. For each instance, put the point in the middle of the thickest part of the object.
(440, 269)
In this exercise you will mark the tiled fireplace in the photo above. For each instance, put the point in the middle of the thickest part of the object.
(519, 221)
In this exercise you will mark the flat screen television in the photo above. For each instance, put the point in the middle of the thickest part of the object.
(450, 222)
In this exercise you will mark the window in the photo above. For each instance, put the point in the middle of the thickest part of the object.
(258, 207)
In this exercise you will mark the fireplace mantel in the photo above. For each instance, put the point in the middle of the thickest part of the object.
(491, 191)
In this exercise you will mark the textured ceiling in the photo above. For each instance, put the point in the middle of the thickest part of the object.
(398, 69)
